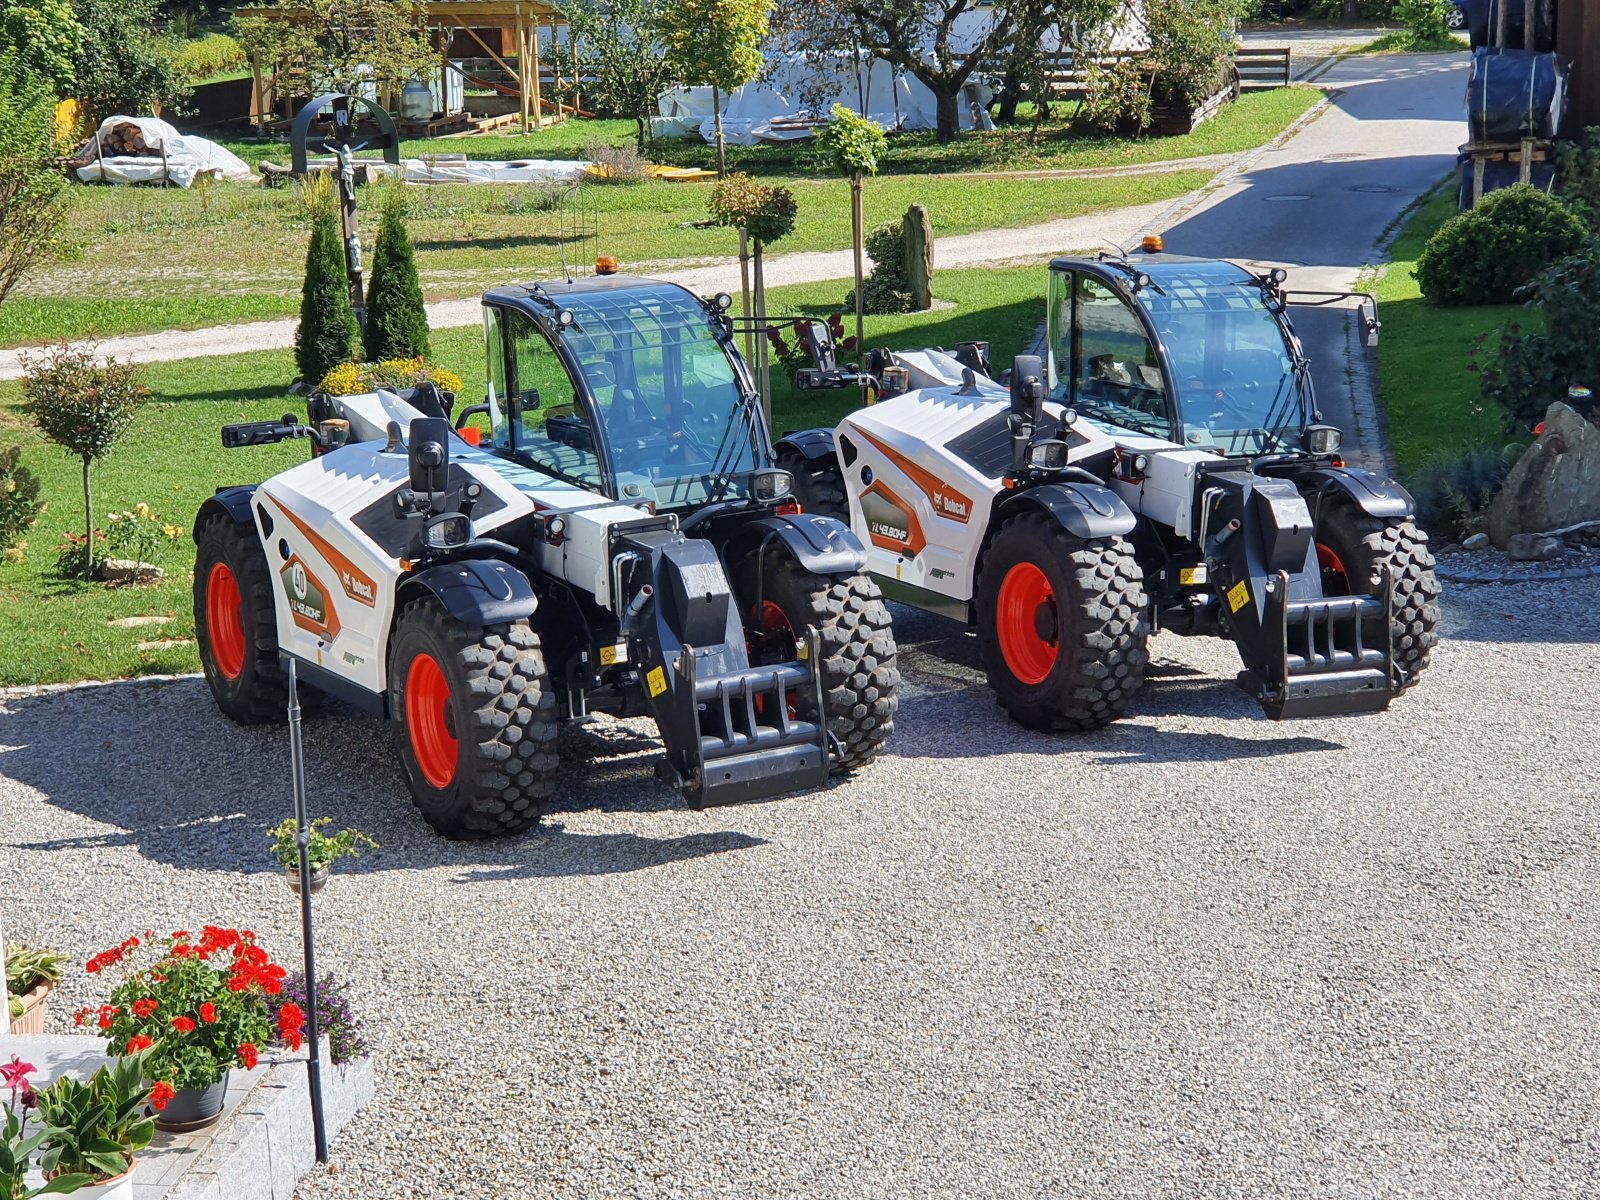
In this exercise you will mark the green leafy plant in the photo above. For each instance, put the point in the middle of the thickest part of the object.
(1456, 485)
(33, 197)
(199, 1008)
(1485, 255)
(84, 406)
(215, 54)
(121, 67)
(96, 1127)
(1529, 368)
(1428, 21)
(1578, 175)
(321, 848)
(851, 144)
(1191, 46)
(20, 505)
(19, 1148)
(886, 290)
(716, 42)
(328, 329)
(27, 968)
(397, 316)
(765, 212)
(46, 37)
(138, 535)
(625, 65)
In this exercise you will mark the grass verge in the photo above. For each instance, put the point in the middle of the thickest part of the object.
(1429, 385)
(1403, 41)
(54, 630)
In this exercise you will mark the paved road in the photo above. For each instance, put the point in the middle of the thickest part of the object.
(1320, 203)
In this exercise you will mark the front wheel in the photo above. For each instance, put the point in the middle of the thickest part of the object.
(474, 721)
(235, 623)
(818, 483)
(1352, 549)
(1061, 625)
(859, 672)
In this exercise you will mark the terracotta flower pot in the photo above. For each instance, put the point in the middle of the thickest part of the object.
(194, 1108)
(32, 1018)
(319, 879)
(118, 1187)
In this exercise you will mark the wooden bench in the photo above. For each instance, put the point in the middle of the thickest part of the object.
(1262, 68)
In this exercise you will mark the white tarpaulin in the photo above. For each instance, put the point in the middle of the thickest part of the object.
(800, 90)
(174, 157)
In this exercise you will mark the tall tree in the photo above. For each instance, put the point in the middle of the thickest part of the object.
(46, 37)
(625, 53)
(122, 68)
(33, 200)
(397, 318)
(328, 327)
(717, 42)
(344, 44)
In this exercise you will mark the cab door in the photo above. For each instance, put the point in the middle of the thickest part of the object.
(1103, 361)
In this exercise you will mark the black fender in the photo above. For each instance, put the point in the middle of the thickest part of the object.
(1376, 495)
(475, 591)
(819, 544)
(1085, 510)
(235, 501)
(810, 444)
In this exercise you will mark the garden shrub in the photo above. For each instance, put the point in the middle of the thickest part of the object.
(1530, 368)
(886, 289)
(766, 213)
(397, 317)
(328, 327)
(1578, 175)
(354, 379)
(337, 1021)
(613, 164)
(33, 195)
(210, 56)
(1489, 253)
(1455, 486)
(1428, 21)
(20, 505)
(45, 36)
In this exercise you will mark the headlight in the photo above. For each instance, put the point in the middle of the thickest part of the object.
(771, 485)
(448, 530)
(1323, 439)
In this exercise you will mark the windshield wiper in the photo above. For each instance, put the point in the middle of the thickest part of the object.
(743, 425)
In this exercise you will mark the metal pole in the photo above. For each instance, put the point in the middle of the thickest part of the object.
(302, 837)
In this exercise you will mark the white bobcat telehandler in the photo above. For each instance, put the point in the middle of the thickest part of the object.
(1163, 466)
(621, 542)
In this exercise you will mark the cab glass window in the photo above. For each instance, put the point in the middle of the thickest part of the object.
(538, 417)
(1103, 363)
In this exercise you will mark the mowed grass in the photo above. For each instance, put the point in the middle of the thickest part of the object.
(54, 630)
(1426, 355)
(1065, 142)
(181, 260)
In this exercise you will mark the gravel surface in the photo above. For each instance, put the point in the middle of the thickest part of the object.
(1197, 954)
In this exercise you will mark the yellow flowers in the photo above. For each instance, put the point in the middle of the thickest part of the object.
(172, 532)
(351, 379)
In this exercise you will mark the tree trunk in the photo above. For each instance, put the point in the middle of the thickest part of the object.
(763, 358)
(857, 221)
(1352, 10)
(88, 523)
(744, 297)
(947, 116)
(641, 123)
(1009, 97)
(716, 115)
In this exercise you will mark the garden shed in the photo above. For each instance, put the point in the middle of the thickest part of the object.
(490, 46)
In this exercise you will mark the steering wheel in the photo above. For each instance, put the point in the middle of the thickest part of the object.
(1224, 404)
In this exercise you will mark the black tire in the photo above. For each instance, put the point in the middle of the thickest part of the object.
(1091, 653)
(859, 671)
(492, 772)
(818, 483)
(249, 683)
(1362, 544)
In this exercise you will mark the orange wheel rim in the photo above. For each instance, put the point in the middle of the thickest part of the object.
(225, 621)
(1333, 570)
(1027, 621)
(428, 721)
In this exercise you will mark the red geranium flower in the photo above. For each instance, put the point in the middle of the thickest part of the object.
(160, 1094)
(183, 1024)
(138, 1042)
(143, 1008)
(208, 1012)
(290, 1022)
(248, 1055)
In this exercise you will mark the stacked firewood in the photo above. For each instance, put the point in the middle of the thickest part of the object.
(127, 139)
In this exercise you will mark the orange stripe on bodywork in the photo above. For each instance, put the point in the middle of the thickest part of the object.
(914, 541)
(357, 584)
(947, 502)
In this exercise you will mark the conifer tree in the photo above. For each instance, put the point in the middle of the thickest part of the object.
(328, 327)
(397, 321)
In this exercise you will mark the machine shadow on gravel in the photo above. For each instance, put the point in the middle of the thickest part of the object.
(185, 787)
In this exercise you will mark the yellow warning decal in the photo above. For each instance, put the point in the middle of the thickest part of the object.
(657, 681)
(610, 656)
(1238, 596)
(802, 649)
(1189, 576)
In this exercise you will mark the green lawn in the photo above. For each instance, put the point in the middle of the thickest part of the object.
(1063, 143)
(1403, 41)
(1426, 354)
(167, 259)
(54, 630)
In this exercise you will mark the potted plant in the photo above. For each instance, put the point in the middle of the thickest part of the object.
(321, 848)
(96, 1129)
(31, 975)
(197, 1010)
(19, 1148)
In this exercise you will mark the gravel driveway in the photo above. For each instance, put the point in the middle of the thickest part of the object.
(1195, 955)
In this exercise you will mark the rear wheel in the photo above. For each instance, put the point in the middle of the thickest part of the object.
(1352, 547)
(818, 483)
(859, 672)
(475, 722)
(1061, 625)
(236, 624)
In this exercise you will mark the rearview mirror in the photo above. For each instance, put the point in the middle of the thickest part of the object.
(1369, 321)
(1027, 384)
(428, 454)
(817, 340)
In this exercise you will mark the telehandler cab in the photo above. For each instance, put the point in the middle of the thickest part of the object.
(622, 542)
(1162, 466)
